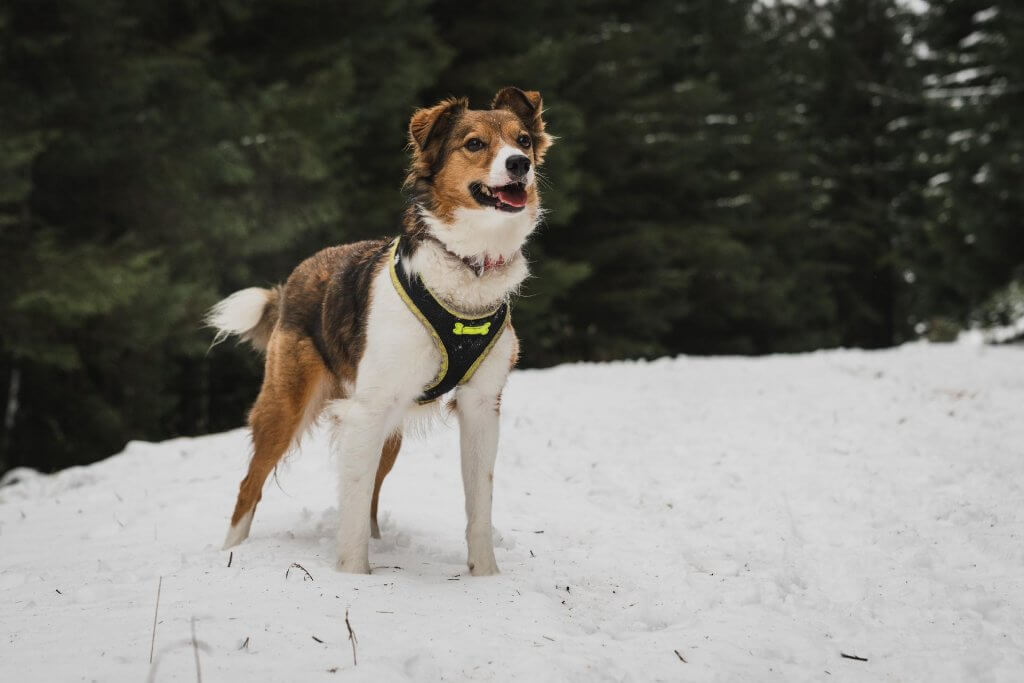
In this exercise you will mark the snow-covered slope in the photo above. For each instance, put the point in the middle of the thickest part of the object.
(759, 517)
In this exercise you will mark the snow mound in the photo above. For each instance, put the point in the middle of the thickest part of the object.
(713, 519)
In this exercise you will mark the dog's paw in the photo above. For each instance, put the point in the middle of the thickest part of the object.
(360, 566)
(483, 567)
(238, 532)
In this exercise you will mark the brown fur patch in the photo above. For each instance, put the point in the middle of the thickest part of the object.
(294, 377)
(326, 298)
(387, 460)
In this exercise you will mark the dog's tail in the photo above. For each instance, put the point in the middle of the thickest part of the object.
(249, 313)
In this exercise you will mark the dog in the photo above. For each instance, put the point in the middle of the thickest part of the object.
(369, 332)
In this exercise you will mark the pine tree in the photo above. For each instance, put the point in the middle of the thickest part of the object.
(865, 122)
(974, 242)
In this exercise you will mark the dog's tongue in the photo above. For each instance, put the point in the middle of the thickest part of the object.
(513, 195)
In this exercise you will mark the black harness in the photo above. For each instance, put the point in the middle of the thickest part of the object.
(463, 341)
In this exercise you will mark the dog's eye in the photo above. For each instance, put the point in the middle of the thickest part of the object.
(524, 141)
(475, 144)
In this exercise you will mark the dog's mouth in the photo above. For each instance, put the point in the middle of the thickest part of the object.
(511, 197)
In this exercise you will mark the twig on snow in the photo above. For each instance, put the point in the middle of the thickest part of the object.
(317, 640)
(156, 611)
(681, 658)
(854, 657)
(298, 566)
(195, 651)
(352, 638)
(231, 556)
(245, 644)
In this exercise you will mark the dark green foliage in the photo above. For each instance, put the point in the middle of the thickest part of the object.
(730, 177)
(866, 116)
(973, 240)
(158, 155)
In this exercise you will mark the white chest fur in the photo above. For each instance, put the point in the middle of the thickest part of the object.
(473, 233)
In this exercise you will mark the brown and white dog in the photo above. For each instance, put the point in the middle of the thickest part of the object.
(338, 336)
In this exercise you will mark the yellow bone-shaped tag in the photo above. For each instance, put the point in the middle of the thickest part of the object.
(472, 329)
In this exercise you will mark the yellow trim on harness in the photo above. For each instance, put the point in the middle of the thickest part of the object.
(487, 350)
(426, 323)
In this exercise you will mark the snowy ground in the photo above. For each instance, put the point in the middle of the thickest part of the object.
(758, 516)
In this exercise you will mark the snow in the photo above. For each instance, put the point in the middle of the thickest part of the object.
(972, 39)
(759, 516)
(967, 75)
(734, 202)
(958, 136)
(995, 334)
(985, 15)
(721, 120)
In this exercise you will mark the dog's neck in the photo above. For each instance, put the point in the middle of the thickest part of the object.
(450, 257)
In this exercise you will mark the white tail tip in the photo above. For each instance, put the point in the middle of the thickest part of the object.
(239, 313)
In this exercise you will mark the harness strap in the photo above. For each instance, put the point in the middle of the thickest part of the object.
(462, 341)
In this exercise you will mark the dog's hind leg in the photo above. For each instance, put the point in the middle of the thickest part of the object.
(291, 398)
(387, 461)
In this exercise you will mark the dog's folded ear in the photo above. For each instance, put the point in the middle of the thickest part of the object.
(529, 107)
(525, 105)
(428, 130)
(431, 125)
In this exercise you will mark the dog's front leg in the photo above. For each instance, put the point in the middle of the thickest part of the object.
(478, 433)
(361, 436)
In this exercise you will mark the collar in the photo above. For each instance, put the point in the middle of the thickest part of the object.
(474, 264)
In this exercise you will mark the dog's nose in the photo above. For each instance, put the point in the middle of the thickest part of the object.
(518, 165)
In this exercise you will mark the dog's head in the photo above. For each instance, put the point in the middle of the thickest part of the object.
(474, 172)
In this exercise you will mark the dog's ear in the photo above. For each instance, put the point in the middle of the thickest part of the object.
(428, 130)
(432, 124)
(529, 107)
(525, 105)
